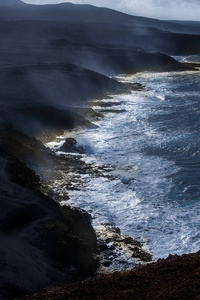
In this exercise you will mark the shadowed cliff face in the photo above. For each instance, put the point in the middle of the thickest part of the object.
(41, 242)
(39, 44)
(46, 96)
(48, 51)
(42, 96)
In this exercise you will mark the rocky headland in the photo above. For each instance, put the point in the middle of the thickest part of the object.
(53, 60)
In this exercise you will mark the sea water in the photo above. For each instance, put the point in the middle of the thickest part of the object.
(152, 149)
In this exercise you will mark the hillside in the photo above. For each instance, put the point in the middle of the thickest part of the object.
(176, 277)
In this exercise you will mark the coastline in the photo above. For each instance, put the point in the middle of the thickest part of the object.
(172, 290)
(54, 60)
(28, 150)
(175, 277)
(112, 244)
(59, 243)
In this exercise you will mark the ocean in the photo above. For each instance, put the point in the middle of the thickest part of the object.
(149, 143)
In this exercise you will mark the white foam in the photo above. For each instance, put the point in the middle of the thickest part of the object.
(138, 199)
(55, 144)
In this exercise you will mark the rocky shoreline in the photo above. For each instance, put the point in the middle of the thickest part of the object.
(112, 244)
(54, 60)
(41, 242)
(69, 244)
(55, 243)
(47, 242)
(59, 243)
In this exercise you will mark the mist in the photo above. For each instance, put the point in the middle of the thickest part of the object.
(160, 9)
(43, 60)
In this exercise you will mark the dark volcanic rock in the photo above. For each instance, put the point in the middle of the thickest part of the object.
(174, 278)
(46, 243)
(41, 242)
(21, 174)
(70, 146)
(15, 144)
(51, 244)
(44, 97)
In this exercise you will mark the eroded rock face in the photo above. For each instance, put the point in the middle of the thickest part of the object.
(41, 242)
(70, 146)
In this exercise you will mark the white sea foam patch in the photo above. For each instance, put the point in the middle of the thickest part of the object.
(161, 97)
(188, 59)
(107, 200)
(55, 144)
(127, 203)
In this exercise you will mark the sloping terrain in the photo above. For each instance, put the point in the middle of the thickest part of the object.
(53, 59)
(176, 277)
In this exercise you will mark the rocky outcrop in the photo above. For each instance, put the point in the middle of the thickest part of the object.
(41, 242)
(70, 146)
(44, 97)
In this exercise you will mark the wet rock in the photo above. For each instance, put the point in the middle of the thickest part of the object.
(115, 246)
(132, 242)
(114, 111)
(107, 263)
(107, 104)
(70, 145)
(102, 246)
(89, 113)
(141, 254)
(21, 174)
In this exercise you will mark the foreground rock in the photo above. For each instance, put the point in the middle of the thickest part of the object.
(41, 242)
(176, 277)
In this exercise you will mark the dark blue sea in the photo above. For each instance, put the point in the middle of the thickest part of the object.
(152, 147)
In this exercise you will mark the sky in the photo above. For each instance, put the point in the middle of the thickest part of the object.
(161, 9)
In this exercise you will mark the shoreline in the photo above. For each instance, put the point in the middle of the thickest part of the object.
(113, 245)
(41, 163)
(38, 223)
(175, 277)
(54, 60)
(108, 104)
